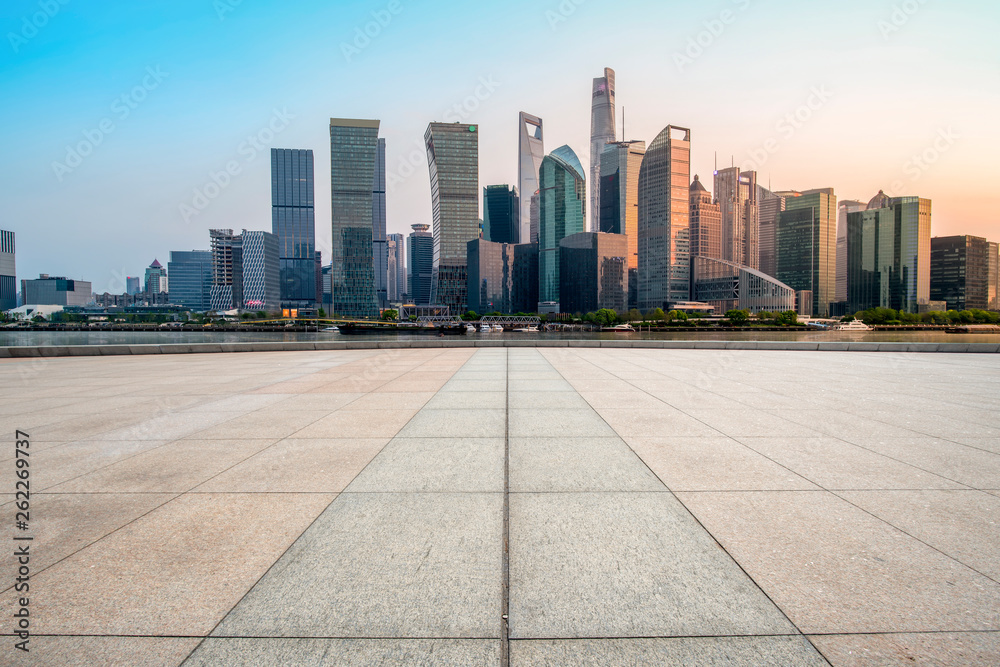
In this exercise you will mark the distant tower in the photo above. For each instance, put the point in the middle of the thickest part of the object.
(562, 212)
(619, 193)
(706, 223)
(845, 207)
(420, 264)
(736, 194)
(293, 221)
(156, 278)
(8, 274)
(530, 152)
(602, 132)
(380, 257)
(500, 211)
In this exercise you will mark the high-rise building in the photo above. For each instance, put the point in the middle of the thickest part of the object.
(420, 265)
(994, 275)
(602, 132)
(621, 162)
(806, 245)
(960, 272)
(354, 160)
(501, 207)
(191, 279)
(133, 285)
(293, 221)
(453, 162)
(530, 153)
(262, 272)
(731, 286)
(845, 207)
(227, 269)
(770, 205)
(8, 271)
(396, 250)
(562, 211)
(706, 223)
(594, 272)
(56, 291)
(503, 277)
(380, 256)
(664, 214)
(736, 194)
(889, 254)
(156, 278)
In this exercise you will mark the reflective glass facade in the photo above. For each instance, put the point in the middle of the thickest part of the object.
(531, 152)
(503, 277)
(806, 246)
(730, 286)
(8, 279)
(619, 196)
(501, 207)
(453, 160)
(354, 149)
(664, 212)
(602, 132)
(420, 265)
(396, 252)
(380, 252)
(770, 206)
(261, 272)
(561, 212)
(843, 208)
(293, 221)
(960, 272)
(736, 194)
(594, 272)
(191, 279)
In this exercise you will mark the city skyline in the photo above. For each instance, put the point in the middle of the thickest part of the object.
(198, 109)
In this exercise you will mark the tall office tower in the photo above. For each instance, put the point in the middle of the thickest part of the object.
(843, 209)
(993, 261)
(380, 256)
(132, 284)
(319, 278)
(453, 162)
(664, 217)
(227, 269)
(706, 223)
(530, 153)
(594, 272)
(56, 291)
(736, 194)
(562, 211)
(501, 208)
(503, 277)
(191, 279)
(396, 251)
(602, 132)
(889, 254)
(420, 267)
(354, 159)
(806, 246)
(262, 272)
(293, 221)
(960, 272)
(156, 278)
(8, 272)
(326, 274)
(770, 205)
(619, 193)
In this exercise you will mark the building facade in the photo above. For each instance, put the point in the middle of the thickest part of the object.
(960, 272)
(889, 254)
(503, 277)
(619, 193)
(602, 132)
(191, 279)
(806, 245)
(8, 271)
(594, 272)
(736, 194)
(530, 153)
(56, 291)
(354, 159)
(420, 265)
(293, 221)
(396, 250)
(501, 208)
(453, 162)
(133, 284)
(155, 280)
(380, 253)
(770, 206)
(730, 286)
(664, 212)
(705, 223)
(994, 276)
(262, 272)
(562, 211)
(845, 207)
(227, 269)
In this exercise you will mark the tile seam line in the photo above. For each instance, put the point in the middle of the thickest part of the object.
(505, 562)
(702, 525)
(249, 590)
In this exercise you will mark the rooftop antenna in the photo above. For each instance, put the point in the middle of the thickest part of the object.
(716, 161)
(623, 124)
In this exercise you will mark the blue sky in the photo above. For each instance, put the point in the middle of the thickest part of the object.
(905, 96)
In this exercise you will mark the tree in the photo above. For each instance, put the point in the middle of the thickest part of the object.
(390, 315)
(787, 318)
(738, 318)
(470, 316)
(765, 316)
(321, 313)
(634, 315)
(656, 315)
(605, 317)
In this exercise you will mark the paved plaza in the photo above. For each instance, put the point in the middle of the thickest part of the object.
(522, 506)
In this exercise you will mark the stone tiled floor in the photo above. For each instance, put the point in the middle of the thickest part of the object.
(657, 507)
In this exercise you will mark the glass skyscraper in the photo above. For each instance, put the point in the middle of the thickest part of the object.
(354, 151)
(806, 246)
(503, 277)
(453, 161)
(593, 272)
(619, 193)
(770, 205)
(396, 252)
(380, 253)
(736, 194)
(420, 265)
(261, 272)
(960, 272)
(845, 207)
(530, 153)
(562, 211)
(293, 221)
(602, 132)
(191, 279)
(501, 208)
(8, 274)
(664, 215)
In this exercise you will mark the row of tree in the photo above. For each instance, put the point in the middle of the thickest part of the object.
(890, 317)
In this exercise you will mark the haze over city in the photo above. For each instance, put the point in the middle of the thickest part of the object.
(857, 96)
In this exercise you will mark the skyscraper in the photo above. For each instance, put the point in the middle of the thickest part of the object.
(8, 273)
(380, 257)
(562, 211)
(503, 277)
(354, 151)
(156, 278)
(664, 215)
(619, 193)
(191, 279)
(501, 208)
(132, 284)
(453, 162)
(806, 246)
(227, 269)
(706, 223)
(846, 206)
(736, 195)
(770, 205)
(420, 265)
(396, 251)
(960, 272)
(602, 132)
(293, 221)
(993, 260)
(593, 272)
(262, 272)
(530, 153)
(889, 254)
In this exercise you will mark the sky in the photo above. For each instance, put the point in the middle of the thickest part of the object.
(130, 129)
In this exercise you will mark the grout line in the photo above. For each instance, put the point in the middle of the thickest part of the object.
(505, 563)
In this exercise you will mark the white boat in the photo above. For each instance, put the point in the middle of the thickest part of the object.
(497, 328)
(485, 328)
(853, 325)
(471, 328)
(531, 329)
(620, 328)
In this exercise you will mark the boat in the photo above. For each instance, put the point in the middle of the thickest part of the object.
(485, 328)
(853, 325)
(974, 328)
(619, 328)
(364, 328)
(497, 328)
(470, 328)
(531, 329)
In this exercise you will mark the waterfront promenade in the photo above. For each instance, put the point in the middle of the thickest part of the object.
(522, 506)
